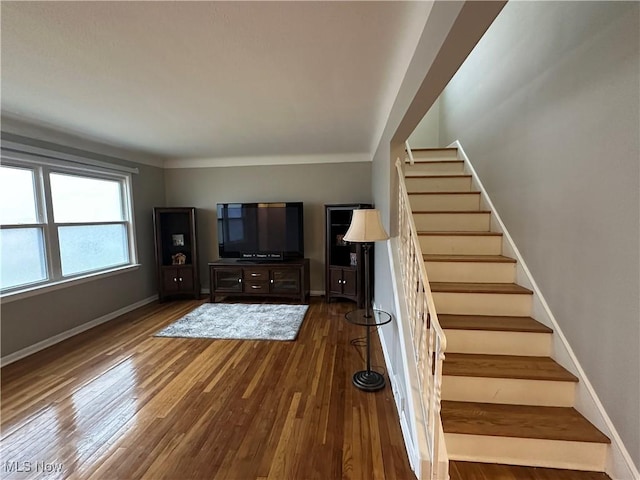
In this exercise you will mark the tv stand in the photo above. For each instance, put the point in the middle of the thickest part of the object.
(259, 278)
(248, 261)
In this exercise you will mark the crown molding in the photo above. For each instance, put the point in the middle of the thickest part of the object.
(267, 160)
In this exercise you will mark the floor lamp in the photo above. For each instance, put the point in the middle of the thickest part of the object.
(367, 228)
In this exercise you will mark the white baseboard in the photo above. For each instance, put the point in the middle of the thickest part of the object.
(414, 458)
(30, 350)
(620, 466)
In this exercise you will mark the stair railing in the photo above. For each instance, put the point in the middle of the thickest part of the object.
(409, 153)
(429, 340)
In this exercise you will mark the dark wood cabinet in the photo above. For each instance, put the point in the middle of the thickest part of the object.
(344, 261)
(177, 280)
(286, 279)
(176, 252)
(343, 281)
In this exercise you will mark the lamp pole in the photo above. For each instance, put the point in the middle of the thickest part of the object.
(367, 303)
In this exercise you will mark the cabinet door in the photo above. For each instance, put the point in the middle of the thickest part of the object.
(228, 280)
(335, 280)
(349, 282)
(285, 280)
(170, 283)
(185, 278)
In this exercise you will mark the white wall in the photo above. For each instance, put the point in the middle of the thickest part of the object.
(547, 108)
(427, 133)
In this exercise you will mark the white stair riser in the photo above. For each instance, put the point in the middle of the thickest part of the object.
(473, 272)
(461, 244)
(527, 451)
(517, 305)
(444, 202)
(428, 168)
(436, 154)
(452, 222)
(438, 184)
(513, 391)
(499, 343)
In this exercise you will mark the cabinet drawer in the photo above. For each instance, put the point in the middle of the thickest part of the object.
(256, 286)
(256, 274)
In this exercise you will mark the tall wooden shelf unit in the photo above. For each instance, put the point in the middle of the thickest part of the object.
(175, 233)
(344, 262)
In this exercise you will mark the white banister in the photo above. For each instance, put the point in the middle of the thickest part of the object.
(429, 341)
(406, 144)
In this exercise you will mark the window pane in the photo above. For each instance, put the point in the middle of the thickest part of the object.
(85, 199)
(17, 196)
(92, 247)
(22, 258)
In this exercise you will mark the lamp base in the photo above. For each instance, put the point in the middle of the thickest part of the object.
(368, 380)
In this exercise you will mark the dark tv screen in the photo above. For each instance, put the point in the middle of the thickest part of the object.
(268, 231)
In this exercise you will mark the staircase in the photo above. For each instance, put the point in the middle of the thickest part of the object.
(504, 399)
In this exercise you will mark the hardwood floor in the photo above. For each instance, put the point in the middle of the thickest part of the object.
(116, 402)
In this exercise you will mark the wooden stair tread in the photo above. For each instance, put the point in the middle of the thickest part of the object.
(505, 366)
(426, 160)
(455, 287)
(419, 174)
(519, 421)
(461, 233)
(492, 471)
(468, 258)
(447, 175)
(443, 193)
(492, 323)
(463, 212)
(434, 149)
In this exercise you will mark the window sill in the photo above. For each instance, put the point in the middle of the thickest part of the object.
(50, 287)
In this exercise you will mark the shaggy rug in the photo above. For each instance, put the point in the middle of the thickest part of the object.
(239, 321)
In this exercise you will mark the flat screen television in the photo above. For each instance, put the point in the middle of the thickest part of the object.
(261, 231)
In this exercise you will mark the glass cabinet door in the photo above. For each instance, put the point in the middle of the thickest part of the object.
(285, 280)
(228, 280)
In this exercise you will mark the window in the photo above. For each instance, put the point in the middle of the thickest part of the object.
(60, 222)
(22, 257)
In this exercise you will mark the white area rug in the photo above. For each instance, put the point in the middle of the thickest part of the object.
(239, 321)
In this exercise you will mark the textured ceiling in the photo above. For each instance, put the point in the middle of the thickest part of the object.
(203, 80)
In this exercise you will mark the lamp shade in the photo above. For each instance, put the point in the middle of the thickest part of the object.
(365, 227)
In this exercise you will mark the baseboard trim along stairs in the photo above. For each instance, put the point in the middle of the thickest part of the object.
(505, 400)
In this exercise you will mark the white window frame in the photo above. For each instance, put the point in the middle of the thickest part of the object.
(42, 168)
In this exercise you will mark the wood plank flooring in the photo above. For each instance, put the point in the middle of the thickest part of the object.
(552, 423)
(489, 471)
(455, 287)
(116, 402)
(506, 366)
(492, 323)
